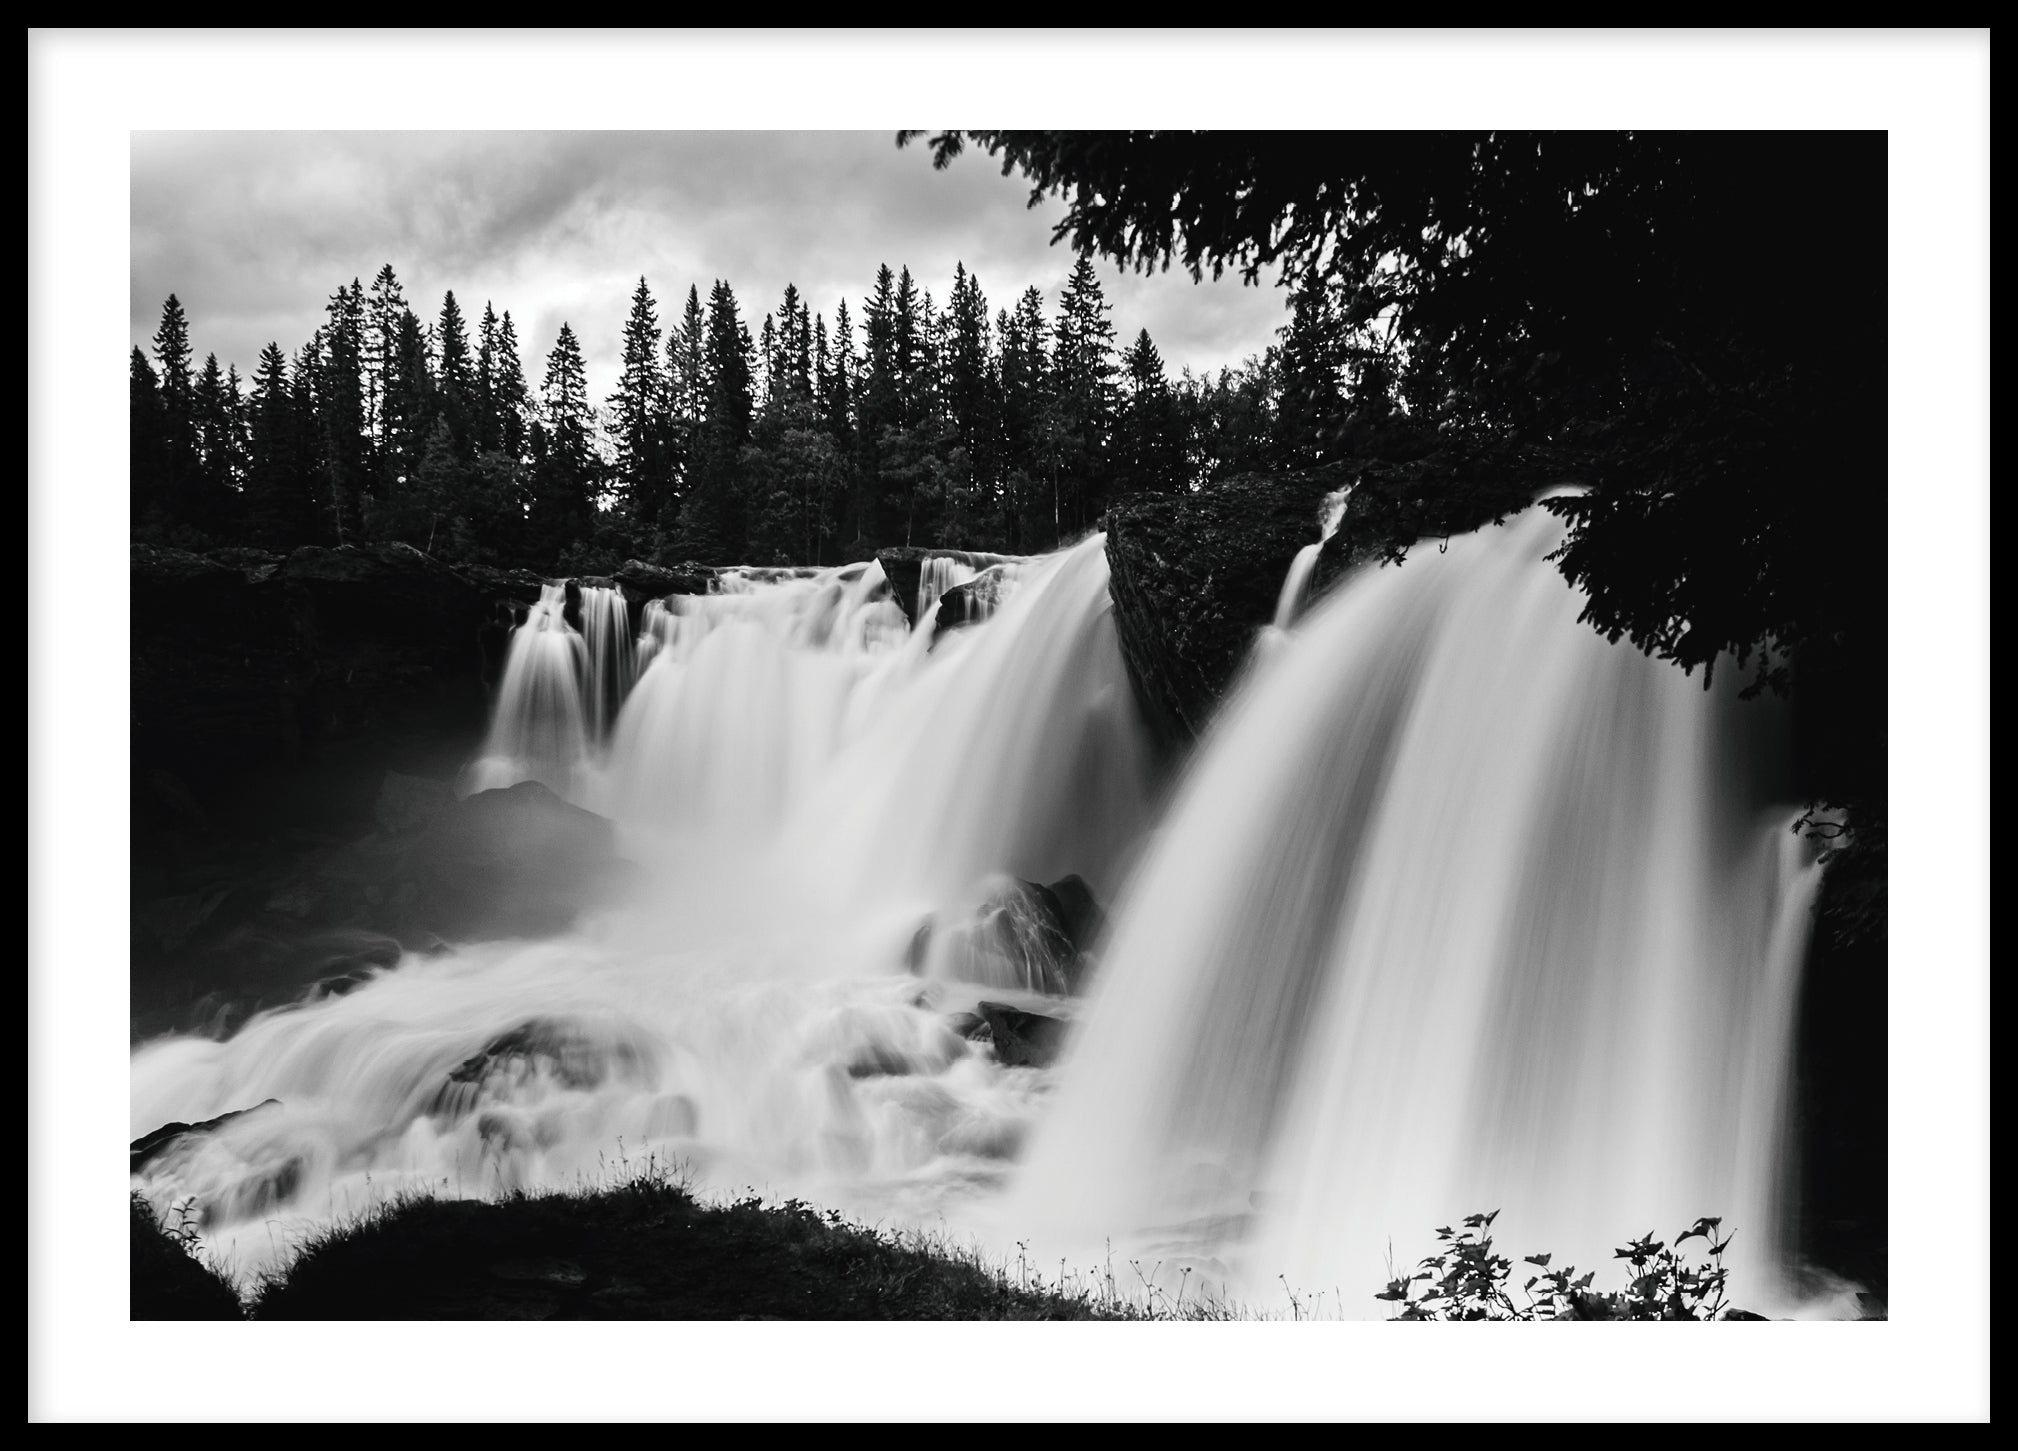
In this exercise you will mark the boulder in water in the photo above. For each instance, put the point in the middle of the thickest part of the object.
(641, 582)
(1022, 1039)
(407, 803)
(902, 567)
(1079, 913)
(515, 862)
(973, 601)
(1014, 936)
(151, 1146)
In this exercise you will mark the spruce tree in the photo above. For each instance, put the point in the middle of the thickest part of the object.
(145, 441)
(454, 374)
(1149, 443)
(180, 481)
(713, 524)
(508, 392)
(1311, 405)
(483, 407)
(272, 494)
(340, 408)
(381, 341)
(1084, 397)
(637, 415)
(565, 479)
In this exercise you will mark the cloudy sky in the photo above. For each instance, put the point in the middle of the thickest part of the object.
(254, 230)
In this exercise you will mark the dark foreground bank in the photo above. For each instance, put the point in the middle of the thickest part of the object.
(647, 1250)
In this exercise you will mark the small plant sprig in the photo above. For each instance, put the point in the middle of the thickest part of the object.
(1466, 1280)
(187, 1226)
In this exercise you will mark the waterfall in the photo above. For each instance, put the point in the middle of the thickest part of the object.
(802, 781)
(1456, 907)
(540, 726)
(610, 653)
(1330, 515)
(1461, 908)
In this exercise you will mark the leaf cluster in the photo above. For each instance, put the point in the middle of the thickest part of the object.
(1467, 1280)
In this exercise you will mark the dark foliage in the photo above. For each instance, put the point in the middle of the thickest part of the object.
(168, 1281)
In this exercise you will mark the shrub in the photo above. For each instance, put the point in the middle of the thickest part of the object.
(1466, 1280)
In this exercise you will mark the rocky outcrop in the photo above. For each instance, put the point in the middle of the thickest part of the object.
(243, 659)
(641, 582)
(970, 603)
(1194, 578)
(1016, 934)
(902, 567)
(1022, 1039)
(152, 1146)
(306, 916)
(905, 566)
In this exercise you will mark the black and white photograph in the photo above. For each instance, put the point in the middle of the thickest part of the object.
(773, 733)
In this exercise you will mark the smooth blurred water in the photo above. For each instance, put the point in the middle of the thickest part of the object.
(1461, 908)
(1456, 908)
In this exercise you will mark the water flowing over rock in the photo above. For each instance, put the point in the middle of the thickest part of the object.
(802, 779)
(1195, 578)
(1454, 906)
(151, 1146)
(1461, 908)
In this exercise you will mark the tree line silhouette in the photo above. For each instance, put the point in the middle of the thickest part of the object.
(814, 440)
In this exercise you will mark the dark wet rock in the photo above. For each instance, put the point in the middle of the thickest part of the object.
(516, 862)
(170, 922)
(958, 607)
(1019, 933)
(919, 949)
(408, 803)
(902, 567)
(1194, 578)
(558, 1047)
(881, 1060)
(317, 915)
(151, 1146)
(234, 668)
(254, 564)
(512, 588)
(1078, 911)
(553, 1049)
(967, 1025)
(642, 582)
(1022, 1039)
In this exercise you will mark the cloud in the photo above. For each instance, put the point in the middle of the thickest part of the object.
(253, 231)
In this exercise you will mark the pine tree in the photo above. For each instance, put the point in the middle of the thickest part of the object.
(273, 495)
(1311, 405)
(713, 524)
(970, 390)
(412, 402)
(181, 484)
(145, 440)
(340, 408)
(565, 470)
(1149, 443)
(380, 342)
(483, 404)
(508, 392)
(1083, 399)
(637, 415)
(454, 374)
(1030, 521)
(770, 390)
